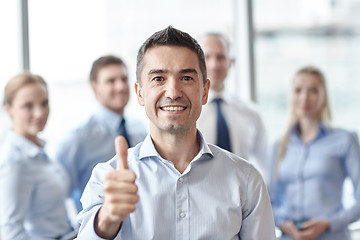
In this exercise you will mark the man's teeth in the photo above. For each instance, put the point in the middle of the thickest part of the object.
(173, 108)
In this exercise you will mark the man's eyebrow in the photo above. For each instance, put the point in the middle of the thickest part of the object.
(182, 71)
(156, 71)
(188, 70)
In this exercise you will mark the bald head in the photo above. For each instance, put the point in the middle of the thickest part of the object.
(216, 51)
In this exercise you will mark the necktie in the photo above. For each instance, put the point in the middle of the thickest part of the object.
(122, 131)
(222, 134)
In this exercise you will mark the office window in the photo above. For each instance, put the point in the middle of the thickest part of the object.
(292, 34)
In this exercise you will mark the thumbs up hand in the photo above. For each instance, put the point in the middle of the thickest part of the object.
(120, 194)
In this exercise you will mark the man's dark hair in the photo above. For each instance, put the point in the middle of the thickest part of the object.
(170, 37)
(103, 62)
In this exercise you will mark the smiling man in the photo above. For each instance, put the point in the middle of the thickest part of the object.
(242, 131)
(174, 185)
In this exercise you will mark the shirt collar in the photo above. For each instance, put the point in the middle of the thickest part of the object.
(323, 131)
(147, 149)
(29, 149)
(213, 95)
(110, 118)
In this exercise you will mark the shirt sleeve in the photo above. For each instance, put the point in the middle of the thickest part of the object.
(16, 189)
(69, 155)
(258, 221)
(92, 199)
(352, 166)
(260, 148)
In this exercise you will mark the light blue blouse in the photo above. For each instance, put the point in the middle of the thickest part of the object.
(309, 182)
(32, 192)
(218, 196)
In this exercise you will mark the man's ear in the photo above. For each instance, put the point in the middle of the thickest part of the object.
(206, 92)
(139, 95)
(231, 62)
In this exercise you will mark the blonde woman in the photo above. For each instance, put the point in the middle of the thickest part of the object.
(32, 189)
(310, 164)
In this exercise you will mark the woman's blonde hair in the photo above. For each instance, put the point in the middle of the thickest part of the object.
(325, 115)
(18, 82)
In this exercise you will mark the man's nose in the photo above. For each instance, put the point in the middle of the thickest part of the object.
(173, 89)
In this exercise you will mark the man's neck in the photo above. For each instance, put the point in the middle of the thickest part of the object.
(119, 111)
(215, 94)
(217, 90)
(179, 148)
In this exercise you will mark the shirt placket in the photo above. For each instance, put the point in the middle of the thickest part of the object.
(182, 209)
(301, 191)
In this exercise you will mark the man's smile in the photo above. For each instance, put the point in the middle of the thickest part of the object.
(173, 108)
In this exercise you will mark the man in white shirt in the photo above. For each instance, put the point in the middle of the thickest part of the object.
(247, 135)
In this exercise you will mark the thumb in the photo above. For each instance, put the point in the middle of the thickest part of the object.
(121, 148)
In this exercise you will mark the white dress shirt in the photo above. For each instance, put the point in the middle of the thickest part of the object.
(247, 131)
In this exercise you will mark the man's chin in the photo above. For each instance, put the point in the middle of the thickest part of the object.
(117, 109)
(215, 84)
(174, 128)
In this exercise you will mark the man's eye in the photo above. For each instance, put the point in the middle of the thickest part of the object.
(111, 80)
(45, 103)
(187, 78)
(220, 58)
(158, 79)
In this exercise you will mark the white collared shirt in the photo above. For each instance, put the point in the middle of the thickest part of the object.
(247, 131)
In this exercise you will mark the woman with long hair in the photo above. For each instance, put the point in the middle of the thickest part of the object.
(309, 165)
(32, 188)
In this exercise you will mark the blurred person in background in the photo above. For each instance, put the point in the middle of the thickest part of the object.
(92, 142)
(227, 121)
(309, 166)
(32, 188)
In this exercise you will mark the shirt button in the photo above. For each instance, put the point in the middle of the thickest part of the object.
(181, 179)
(182, 214)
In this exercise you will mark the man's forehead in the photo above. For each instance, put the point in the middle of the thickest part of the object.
(214, 44)
(113, 70)
(156, 63)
